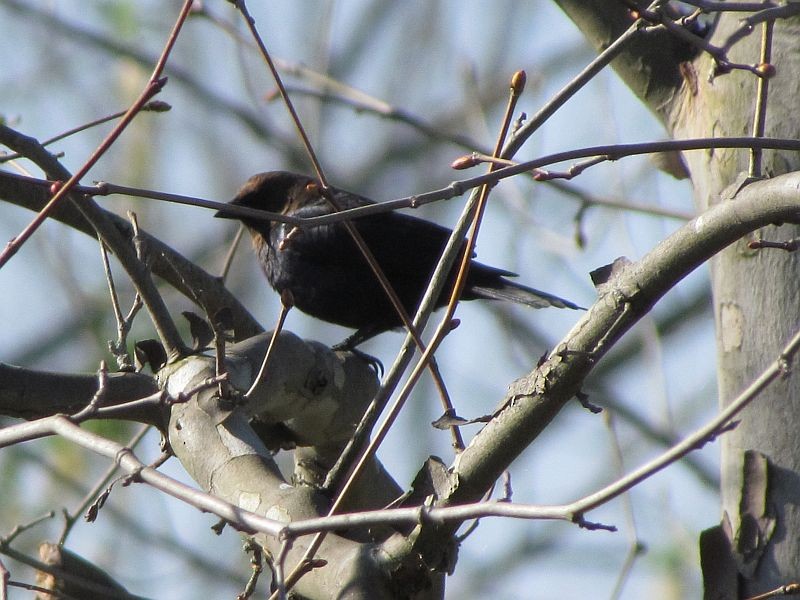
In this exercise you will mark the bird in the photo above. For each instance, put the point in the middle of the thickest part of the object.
(327, 274)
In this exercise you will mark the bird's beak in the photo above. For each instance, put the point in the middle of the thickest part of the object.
(224, 215)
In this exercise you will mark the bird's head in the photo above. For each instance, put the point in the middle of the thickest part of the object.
(273, 191)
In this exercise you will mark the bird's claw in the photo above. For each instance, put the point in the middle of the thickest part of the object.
(374, 363)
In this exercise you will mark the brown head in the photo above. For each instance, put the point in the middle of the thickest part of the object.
(271, 192)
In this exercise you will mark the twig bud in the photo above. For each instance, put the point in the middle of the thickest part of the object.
(464, 162)
(518, 82)
(766, 70)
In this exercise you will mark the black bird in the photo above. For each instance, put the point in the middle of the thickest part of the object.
(329, 277)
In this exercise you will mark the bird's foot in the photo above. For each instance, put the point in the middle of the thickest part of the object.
(350, 343)
(374, 363)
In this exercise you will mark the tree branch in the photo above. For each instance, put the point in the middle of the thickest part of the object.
(535, 400)
(29, 394)
(186, 277)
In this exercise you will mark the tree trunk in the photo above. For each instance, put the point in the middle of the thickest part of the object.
(756, 307)
(755, 291)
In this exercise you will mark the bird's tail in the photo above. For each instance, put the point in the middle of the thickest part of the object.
(521, 294)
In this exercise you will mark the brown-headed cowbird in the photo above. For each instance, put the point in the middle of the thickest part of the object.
(328, 276)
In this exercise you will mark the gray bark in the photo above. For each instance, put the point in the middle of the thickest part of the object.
(755, 292)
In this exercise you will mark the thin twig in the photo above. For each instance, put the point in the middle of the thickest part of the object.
(278, 568)
(126, 460)
(788, 246)
(377, 270)
(11, 535)
(226, 265)
(787, 589)
(610, 152)
(715, 6)
(287, 302)
(602, 60)
(325, 189)
(98, 398)
(124, 323)
(774, 371)
(70, 518)
(152, 106)
(160, 316)
(515, 90)
(762, 95)
(338, 474)
(635, 548)
(573, 511)
(361, 457)
(117, 348)
(153, 87)
(746, 26)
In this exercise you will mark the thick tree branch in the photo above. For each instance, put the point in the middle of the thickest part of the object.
(318, 396)
(533, 401)
(31, 394)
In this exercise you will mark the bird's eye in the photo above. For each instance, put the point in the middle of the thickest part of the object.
(312, 187)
